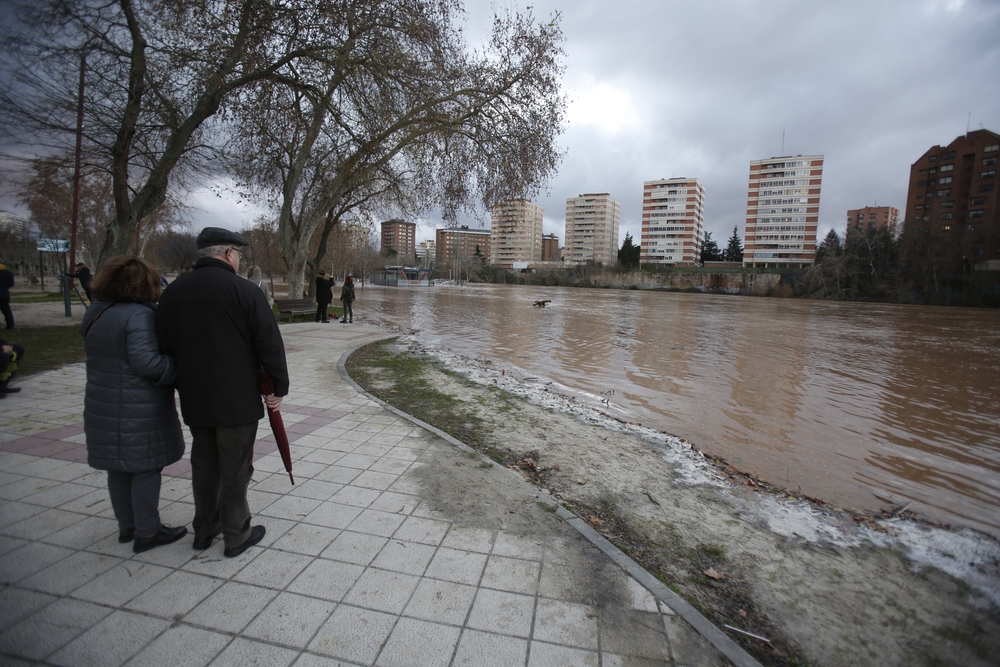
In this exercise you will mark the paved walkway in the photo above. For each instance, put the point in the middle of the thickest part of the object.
(395, 547)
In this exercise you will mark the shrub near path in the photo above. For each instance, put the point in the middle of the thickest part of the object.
(819, 604)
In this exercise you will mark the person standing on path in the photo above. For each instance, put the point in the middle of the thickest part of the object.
(324, 295)
(222, 333)
(85, 277)
(129, 416)
(257, 278)
(347, 298)
(6, 282)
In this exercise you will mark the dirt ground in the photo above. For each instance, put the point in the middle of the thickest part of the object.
(827, 591)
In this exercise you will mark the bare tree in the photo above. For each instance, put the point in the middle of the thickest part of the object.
(158, 71)
(404, 102)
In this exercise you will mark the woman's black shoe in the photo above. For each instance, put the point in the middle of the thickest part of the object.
(126, 535)
(165, 535)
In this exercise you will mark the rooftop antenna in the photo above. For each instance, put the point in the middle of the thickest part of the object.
(969, 120)
(782, 141)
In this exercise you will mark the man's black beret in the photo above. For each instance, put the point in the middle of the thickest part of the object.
(218, 236)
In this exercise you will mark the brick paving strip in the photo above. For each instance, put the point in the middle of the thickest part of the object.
(368, 560)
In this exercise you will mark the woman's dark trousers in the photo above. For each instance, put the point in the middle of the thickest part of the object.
(135, 498)
(321, 312)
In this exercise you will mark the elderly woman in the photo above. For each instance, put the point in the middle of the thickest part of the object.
(129, 416)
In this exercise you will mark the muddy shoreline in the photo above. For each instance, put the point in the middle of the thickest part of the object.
(825, 586)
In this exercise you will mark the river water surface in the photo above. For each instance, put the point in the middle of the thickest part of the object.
(847, 401)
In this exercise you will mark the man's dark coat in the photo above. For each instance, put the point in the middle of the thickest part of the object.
(222, 332)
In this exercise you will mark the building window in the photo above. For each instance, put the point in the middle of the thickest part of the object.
(950, 155)
(945, 216)
(921, 184)
(988, 174)
(920, 207)
(991, 148)
(976, 214)
(933, 158)
(987, 161)
(948, 204)
(978, 201)
(978, 251)
(923, 172)
(944, 180)
(920, 195)
(944, 193)
(947, 167)
(985, 187)
(975, 226)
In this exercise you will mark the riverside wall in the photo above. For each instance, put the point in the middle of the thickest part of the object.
(732, 282)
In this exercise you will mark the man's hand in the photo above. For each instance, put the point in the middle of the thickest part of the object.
(272, 402)
(7, 349)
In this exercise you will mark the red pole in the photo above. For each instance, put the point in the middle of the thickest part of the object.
(76, 170)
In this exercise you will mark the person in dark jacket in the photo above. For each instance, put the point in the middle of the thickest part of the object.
(222, 333)
(85, 277)
(324, 295)
(129, 416)
(6, 282)
(347, 298)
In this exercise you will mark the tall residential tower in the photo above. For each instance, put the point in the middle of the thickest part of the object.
(673, 213)
(592, 228)
(516, 233)
(952, 212)
(402, 237)
(783, 211)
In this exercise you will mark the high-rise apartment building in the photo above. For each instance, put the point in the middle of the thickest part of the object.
(783, 211)
(952, 218)
(400, 236)
(516, 233)
(550, 248)
(673, 213)
(873, 216)
(425, 252)
(592, 222)
(462, 244)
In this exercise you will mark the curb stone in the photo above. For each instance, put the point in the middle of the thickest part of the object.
(726, 646)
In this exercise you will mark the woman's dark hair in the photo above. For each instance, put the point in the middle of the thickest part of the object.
(127, 278)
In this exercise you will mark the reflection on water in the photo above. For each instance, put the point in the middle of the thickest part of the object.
(844, 400)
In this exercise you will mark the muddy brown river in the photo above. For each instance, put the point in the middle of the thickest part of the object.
(862, 405)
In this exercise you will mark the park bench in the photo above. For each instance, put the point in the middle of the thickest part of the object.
(291, 306)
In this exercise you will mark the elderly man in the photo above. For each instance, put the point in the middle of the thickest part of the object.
(222, 333)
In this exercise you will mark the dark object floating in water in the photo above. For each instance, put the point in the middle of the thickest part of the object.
(541, 304)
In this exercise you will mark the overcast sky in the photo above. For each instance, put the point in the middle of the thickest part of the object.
(699, 89)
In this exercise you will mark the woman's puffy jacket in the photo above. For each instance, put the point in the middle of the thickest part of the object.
(129, 417)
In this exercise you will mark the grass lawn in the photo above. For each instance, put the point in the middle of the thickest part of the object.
(37, 297)
(47, 348)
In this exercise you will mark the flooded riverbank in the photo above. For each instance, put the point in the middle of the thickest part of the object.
(863, 405)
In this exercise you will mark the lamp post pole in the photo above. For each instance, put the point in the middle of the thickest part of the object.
(76, 181)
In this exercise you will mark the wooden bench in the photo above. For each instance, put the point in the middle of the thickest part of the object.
(291, 306)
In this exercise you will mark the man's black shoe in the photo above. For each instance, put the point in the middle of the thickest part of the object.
(10, 390)
(256, 535)
(202, 543)
(126, 535)
(166, 535)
